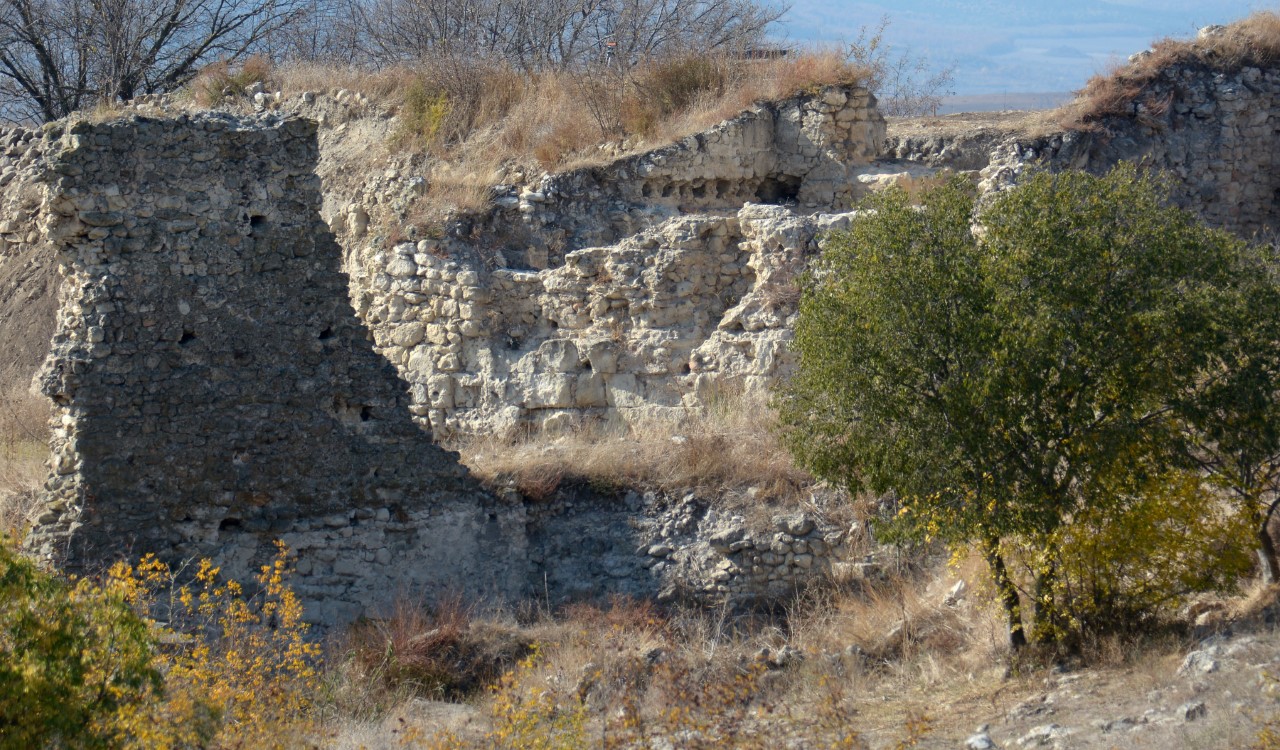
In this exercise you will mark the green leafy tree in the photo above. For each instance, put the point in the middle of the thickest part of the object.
(73, 659)
(1233, 411)
(1000, 370)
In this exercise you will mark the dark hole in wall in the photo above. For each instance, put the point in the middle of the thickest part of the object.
(366, 413)
(326, 334)
(257, 224)
(228, 524)
(779, 189)
(187, 337)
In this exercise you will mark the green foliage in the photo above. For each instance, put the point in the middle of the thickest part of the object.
(1023, 380)
(85, 665)
(1120, 564)
(422, 115)
(74, 660)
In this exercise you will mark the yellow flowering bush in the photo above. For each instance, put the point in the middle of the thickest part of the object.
(75, 661)
(89, 664)
(238, 664)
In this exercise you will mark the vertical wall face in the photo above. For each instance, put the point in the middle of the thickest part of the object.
(214, 389)
(1214, 132)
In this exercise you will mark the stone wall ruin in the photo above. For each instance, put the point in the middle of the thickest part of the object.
(214, 390)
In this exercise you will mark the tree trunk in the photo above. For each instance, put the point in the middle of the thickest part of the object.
(1266, 547)
(1006, 592)
(1044, 627)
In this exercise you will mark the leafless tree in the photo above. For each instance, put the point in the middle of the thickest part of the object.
(57, 56)
(531, 34)
(905, 84)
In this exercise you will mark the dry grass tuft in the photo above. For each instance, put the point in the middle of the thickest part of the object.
(222, 80)
(729, 452)
(23, 449)
(442, 652)
(1253, 41)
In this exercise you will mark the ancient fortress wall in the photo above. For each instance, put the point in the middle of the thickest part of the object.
(1214, 132)
(693, 310)
(215, 390)
(639, 290)
(806, 151)
(220, 383)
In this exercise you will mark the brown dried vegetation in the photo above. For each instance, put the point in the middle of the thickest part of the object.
(728, 451)
(1253, 41)
(23, 437)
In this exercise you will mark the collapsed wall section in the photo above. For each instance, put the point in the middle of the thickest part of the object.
(214, 390)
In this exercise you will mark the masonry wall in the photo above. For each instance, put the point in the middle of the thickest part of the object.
(1216, 133)
(693, 310)
(28, 280)
(803, 151)
(215, 390)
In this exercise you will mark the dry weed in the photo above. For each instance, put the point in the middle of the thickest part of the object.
(441, 652)
(23, 450)
(480, 122)
(729, 451)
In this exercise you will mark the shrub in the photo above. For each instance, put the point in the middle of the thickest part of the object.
(218, 81)
(86, 665)
(440, 653)
(1006, 382)
(237, 666)
(76, 663)
(422, 115)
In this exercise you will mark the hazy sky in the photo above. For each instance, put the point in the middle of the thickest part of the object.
(1001, 46)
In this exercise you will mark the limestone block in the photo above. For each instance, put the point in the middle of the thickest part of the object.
(408, 335)
(558, 355)
(590, 391)
(623, 391)
(603, 357)
(549, 391)
(439, 391)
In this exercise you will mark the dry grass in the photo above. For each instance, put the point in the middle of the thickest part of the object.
(729, 452)
(631, 671)
(1253, 41)
(483, 123)
(441, 652)
(23, 450)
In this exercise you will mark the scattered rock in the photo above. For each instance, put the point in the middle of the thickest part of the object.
(1197, 663)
